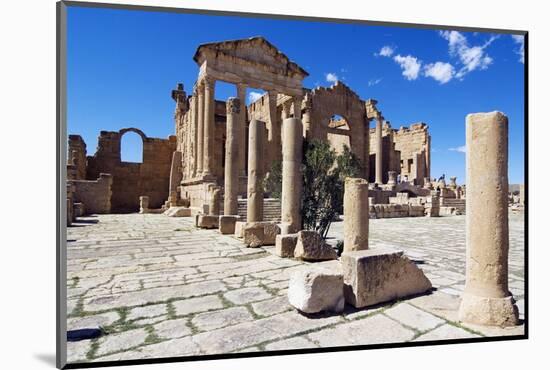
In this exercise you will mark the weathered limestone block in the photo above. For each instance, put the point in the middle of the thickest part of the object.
(356, 214)
(285, 245)
(312, 247)
(486, 299)
(256, 234)
(178, 212)
(416, 211)
(239, 227)
(313, 290)
(206, 221)
(143, 204)
(227, 224)
(379, 275)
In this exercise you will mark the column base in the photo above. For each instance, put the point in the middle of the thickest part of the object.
(488, 311)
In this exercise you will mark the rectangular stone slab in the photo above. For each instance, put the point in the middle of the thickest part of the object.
(379, 275)
(285, 245)
(227, 224)
(207, 221)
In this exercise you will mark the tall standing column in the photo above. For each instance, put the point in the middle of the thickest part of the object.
(256, 139)
(232, 149)
(378, 138)
(486, 299)
(298, 106)
(209, 106)
(200, 132)
(356, 214)
(241, 95)
(292, 174)
(195, 124)
(274, 129)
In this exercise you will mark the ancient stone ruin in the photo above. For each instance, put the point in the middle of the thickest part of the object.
(215, 165)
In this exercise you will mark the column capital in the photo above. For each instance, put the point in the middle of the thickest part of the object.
(233, 106)
(208, 81)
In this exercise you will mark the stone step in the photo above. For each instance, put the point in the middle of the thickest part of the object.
(272, 209)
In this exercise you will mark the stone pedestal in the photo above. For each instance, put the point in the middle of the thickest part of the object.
(256, 140)
(206, 221)
(292, 174)
(486, 299)
(227, 224)
(356, 214)
(231, 205)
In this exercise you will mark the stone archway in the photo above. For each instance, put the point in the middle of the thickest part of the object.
(323, 104)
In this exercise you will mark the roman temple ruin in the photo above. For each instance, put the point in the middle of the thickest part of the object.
(210, 176)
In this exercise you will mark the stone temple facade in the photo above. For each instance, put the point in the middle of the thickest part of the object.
(186, 168)
(336, 114)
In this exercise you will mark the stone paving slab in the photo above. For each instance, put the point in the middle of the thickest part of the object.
(162, 288)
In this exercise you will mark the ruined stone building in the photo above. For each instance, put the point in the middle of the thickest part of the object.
(336, 114)
(184, 168)
(405, 150)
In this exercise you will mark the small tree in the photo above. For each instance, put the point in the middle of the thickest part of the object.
(274, 179)
(324, 173)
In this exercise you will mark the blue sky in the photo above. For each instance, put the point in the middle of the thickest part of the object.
(123, 64)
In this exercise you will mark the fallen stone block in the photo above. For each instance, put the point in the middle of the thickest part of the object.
(239, 227)
(285, 245)
(178, 212)
(316, 289)
(227, 224)
(380, 275)
(207, 221)
(310, 246)
(256, 234)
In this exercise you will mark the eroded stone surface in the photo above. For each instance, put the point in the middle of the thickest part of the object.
(315, 289)
(149, 265)
(311, 247)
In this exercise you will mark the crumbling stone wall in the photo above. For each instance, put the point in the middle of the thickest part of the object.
(94, 194)
(76, 158)
(406, 151)
(322, 104)
(132, 180)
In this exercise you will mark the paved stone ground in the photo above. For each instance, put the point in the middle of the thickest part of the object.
(161, 288)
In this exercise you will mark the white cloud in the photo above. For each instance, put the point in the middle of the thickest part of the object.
(410, 66)
(520, 39)
(331, 77)
(471, 57)
(375, 81)
(439, 71)
(253, 96)
(461, 149)
(386, 51)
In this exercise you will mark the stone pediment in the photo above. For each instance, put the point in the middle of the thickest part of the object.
(254, 51)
